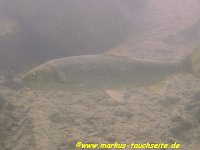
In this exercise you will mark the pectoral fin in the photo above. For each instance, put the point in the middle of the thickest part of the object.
(116, 95)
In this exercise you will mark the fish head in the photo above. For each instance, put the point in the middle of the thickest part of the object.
(41, 76)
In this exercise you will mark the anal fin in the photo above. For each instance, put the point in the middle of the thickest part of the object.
(159, 87)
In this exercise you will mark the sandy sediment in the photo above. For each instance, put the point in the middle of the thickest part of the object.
(33, 119)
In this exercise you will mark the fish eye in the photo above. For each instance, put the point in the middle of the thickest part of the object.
(32, 75)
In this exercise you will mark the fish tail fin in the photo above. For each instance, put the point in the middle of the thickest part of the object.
(194, 61)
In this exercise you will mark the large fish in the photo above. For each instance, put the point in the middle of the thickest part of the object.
(107, 71)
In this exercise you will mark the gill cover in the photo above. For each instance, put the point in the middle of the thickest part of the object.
(195, 61)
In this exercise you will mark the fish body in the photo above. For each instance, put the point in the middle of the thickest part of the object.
(103, 71)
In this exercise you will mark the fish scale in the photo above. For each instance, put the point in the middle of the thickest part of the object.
(106, 69)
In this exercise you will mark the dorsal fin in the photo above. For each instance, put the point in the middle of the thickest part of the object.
(120, 51)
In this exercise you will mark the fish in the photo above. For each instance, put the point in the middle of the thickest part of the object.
(107, 71)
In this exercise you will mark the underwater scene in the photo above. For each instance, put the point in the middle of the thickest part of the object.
(99, 74)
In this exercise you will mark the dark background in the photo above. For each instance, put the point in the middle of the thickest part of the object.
(40, 30)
